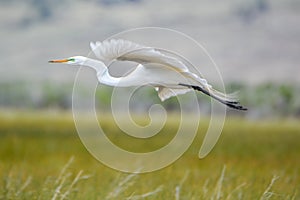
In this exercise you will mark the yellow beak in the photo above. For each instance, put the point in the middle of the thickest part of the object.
(58, 61)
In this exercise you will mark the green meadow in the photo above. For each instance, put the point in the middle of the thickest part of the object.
(42, 157)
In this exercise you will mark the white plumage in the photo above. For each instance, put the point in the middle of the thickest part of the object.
(156, 67)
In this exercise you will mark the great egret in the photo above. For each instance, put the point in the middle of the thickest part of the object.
(168, 74)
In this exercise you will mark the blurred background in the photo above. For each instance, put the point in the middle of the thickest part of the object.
(256, 46)
(254, 43)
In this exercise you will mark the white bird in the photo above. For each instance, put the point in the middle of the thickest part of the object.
(167, 73)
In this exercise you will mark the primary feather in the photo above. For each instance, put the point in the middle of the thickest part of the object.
(108, 50)
(120, 49)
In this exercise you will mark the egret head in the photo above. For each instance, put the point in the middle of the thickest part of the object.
(74, 60)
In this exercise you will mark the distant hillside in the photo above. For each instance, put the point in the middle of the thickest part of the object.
(251, 41)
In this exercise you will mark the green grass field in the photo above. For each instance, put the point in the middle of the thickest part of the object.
(42, 157)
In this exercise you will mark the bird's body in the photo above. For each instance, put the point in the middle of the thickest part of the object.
(155, 67)
(141, 75)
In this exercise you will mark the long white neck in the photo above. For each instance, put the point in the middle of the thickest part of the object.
(97, 65)
(102, 72)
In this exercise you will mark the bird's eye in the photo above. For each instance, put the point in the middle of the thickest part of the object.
(71, 59)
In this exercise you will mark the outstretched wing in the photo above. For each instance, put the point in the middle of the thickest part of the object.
(119, 49)
(109, 50)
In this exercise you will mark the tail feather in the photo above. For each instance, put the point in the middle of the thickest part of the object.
(228, 100)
